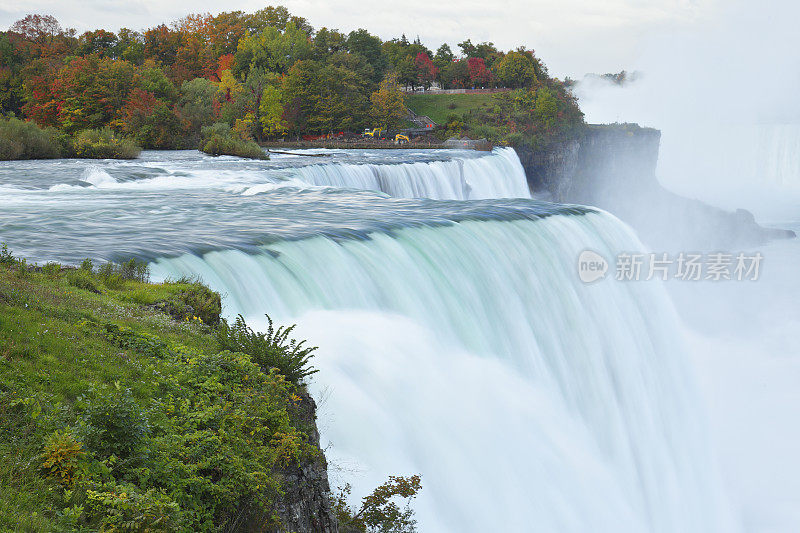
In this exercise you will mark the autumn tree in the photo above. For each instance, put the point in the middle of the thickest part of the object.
(516, 69)
(44, 34)
(388, 103)
(478, 73)
(456, 75)
(272, 121)
(426, 70)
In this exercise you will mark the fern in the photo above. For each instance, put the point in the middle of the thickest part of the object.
(273, 349)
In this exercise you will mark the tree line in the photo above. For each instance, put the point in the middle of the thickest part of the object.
(267, 74)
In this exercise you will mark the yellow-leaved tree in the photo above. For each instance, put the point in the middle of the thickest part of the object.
(388, 103)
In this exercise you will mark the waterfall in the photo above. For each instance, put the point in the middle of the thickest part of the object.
(498, 175)
(777, 160)
(471, 353)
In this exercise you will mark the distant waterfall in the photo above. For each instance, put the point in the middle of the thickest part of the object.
(777, 156)
(472, 354)
(498, 175)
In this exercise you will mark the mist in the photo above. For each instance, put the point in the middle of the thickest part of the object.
(724, 95)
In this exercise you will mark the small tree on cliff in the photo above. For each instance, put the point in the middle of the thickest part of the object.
(388, 103)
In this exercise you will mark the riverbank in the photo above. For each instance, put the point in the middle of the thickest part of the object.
(119, 404)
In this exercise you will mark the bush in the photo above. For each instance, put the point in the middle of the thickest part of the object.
(218, 139)
(114, 424)
(132, 269)
(103, 144)
(272, 349)
(6, 258)
(196, 301)
(51, 269)
(61, 458)
(25, 140)
(82, 280)
(378, 512)
(116, 506)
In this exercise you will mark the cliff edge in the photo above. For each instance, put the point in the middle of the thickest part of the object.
(613, 167)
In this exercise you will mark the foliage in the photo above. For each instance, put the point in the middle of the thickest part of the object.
(271, 109)
(119, 506)
(516, 69)
(219, 139)
(6, 257)
(531, 117)
(26, 140)
(388, 104)
(379, 511)
(194, 302)
(115, 418)
(266, 74)
(104, 144)
(272, 349)
(61, 457)
(131, 269)
(113, 424)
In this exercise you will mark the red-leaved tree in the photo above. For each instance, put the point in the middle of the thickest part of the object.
(426, 70)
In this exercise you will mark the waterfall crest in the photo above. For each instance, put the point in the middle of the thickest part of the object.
(498, 175)
(471, 353)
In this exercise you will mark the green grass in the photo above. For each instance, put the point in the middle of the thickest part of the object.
(438, 106)
(211, 429)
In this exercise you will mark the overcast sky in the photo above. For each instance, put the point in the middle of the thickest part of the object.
(572, 36)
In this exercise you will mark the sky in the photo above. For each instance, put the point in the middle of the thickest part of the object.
(573, 37)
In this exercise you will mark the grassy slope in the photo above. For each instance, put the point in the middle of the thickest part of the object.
(437, 106)
(48, 360)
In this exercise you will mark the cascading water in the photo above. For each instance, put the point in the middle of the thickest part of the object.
(456, 338)
(497, 176)
(472, 354)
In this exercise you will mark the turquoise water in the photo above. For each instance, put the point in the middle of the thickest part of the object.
(456, 339)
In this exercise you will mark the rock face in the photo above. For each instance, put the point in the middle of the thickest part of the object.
(305, 507)
(613, 167)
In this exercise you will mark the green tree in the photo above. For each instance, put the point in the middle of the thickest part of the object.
(196, 104)
(388, 103)
(546, 107)
(272, 122)
(516, 70)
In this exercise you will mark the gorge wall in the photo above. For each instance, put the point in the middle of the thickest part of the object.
(614, 167)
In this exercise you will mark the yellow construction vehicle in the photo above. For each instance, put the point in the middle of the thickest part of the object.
(374, 133)
(400, 138)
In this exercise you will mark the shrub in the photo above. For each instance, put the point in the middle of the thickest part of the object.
(103, 144)
(86, 265)
(51, 269)
(132, 269)
(272, 349)
(6, 258)
(116, 506)
(196, 301)
(378, 512)
(25, 140)
(218, 139)
(61, 457)
(82, 280)
(114, 424)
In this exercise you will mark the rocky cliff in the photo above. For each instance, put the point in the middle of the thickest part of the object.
(613, 167)
(305, 506)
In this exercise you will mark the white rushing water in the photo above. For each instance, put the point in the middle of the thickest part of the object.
(499, 175)
(473, 355)
(438, 175)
